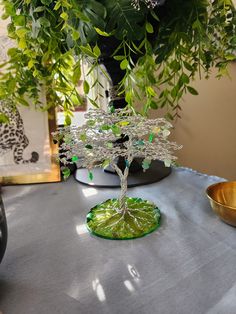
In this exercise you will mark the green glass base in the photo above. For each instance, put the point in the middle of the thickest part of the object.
(141, 218)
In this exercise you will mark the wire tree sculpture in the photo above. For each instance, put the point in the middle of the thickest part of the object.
(94, 144)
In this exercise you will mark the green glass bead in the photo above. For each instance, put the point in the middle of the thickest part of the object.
(151, 137)
(66, 173)
(90, 175)
(112, 109)
(109, 145)
(146, 164)
(74, 158)
(127, 164)
(140, 143)
(83, 137)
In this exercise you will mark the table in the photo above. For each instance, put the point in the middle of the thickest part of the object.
(53, 265)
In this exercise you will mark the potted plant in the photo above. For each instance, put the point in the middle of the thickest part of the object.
(158, 47)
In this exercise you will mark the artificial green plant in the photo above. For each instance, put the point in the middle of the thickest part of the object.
(160, 49)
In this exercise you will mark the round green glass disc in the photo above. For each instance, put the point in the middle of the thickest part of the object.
(141, 218)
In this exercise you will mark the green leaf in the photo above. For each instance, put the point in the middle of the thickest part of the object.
(4, 118)
(188, 66)
(184, 78)
(128, 97)
(149, 28)
(19, 20)
(153, 105)
(197, 25)
(230, 57)
(150, 91)
(57, 5)
(12, 52)
(81, 16)
(155, 16)
(22, 43)
(21, 32)
(175, 65)
(22, 101)
(39, 9)
(76, 75)
(64, 16)
(68, 120)
(31, 63)
(75, 35)
(119, 58)
(233, 41)
(174, 91)
(44, 21)
(102, 33)
(192, 90)
(124, 64)
(93, 102)
(169, 116)
(88, 146)
(88, 51)
(46, 2)
(97, 51)
(86, 87)
(125, 20)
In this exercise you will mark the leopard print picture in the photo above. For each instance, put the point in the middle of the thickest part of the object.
(12, 135)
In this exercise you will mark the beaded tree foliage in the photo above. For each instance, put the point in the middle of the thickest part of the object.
(95, 145)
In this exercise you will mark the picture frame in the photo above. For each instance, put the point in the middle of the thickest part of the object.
(27, 152)
(32, 158)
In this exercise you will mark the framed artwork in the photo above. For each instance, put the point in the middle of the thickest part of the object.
(27, 151)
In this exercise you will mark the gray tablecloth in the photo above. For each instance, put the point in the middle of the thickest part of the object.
(53, 265)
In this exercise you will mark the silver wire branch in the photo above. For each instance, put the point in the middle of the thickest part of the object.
(94, 144)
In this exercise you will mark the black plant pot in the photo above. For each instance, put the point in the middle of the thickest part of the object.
(3, 230)
(108, 177)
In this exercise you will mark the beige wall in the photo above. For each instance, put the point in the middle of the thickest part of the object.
(3, 23)
(207, 129)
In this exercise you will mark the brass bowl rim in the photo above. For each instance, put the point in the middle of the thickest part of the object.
(221, 204)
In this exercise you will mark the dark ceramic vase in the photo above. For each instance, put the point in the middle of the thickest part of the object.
(3, 230)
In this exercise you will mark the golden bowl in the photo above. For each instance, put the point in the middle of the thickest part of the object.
(222, 197)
